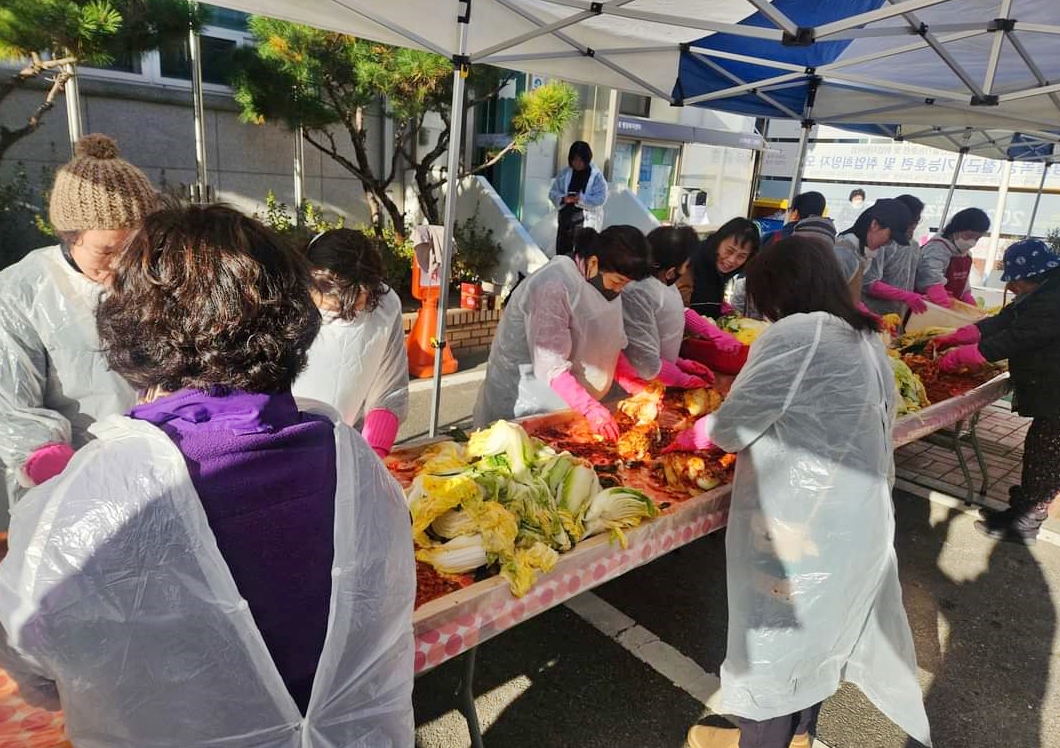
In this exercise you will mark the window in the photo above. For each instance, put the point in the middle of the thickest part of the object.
(634, 105)
(175, 59)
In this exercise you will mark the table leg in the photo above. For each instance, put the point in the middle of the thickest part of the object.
(466, 699)
(973, 439)
(958, 449)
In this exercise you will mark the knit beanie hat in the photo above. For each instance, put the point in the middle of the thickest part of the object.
(97, 189)
(817, 228)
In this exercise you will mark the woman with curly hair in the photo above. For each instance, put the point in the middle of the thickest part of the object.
(358, 363)
(218, 567)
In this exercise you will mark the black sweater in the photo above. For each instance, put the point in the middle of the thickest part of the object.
(1027, 333)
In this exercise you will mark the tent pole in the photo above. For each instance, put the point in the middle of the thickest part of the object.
(949, 195)
(807, 125)
(456, 129)
(756, 170)
(800, 160)
(999, 216)
(1038, 198)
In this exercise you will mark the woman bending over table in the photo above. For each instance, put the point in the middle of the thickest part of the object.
(559, 340)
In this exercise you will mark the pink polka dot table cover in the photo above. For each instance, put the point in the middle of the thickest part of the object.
(456, 622)
(24, 726)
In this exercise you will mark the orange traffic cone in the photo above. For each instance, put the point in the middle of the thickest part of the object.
(421, 343)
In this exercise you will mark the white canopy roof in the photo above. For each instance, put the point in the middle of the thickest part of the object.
(907, 65)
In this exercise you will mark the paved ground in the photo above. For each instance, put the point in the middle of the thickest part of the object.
(634, 663)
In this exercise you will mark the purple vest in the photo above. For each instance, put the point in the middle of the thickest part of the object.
(265, 474)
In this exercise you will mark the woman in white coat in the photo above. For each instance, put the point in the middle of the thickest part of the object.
(220, 567)
(558, 342)
(579, 193)
(813, 588)
(53, 380)
(357, 364)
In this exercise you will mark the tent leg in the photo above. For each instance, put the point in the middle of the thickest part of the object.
(800, 160)
(456, 129)
(999, 216)
(1038, 198)
(949, 194)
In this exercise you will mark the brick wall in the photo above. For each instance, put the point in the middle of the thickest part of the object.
(466, 331)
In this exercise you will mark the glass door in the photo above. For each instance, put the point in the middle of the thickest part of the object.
(625, 152)
(658, 167)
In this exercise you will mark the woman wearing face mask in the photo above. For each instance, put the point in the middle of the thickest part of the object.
(559, 340)
(54, 382)
(717, 261)
(856, 247)
(579, 191)
(1026, 333)
(887, 284)
(945, 266)
(654, 318)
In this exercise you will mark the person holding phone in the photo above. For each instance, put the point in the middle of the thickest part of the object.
(579, 192)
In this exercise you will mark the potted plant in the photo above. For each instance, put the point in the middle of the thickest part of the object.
(477, 255)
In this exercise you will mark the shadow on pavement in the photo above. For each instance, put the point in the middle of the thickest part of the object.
(581, 689)
(984, 624)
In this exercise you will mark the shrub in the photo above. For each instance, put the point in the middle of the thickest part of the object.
(23, 225)
(477, 252)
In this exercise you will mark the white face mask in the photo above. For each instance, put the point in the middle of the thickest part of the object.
(965, 245)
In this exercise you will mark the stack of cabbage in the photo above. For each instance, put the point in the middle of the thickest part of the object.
(912, 396)
(510, 500)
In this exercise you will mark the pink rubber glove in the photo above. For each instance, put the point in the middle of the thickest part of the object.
(937, 295)
(672, 376)
(599, 417)
(882, 290)
(47, 461)
(866, 310)
(723, 342)
(688, 366)
(627, 376)
(961, 359)
(962, 336)
(695, 439)
(379, 430)
(967, 298)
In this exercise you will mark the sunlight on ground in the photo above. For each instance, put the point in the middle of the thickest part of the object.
(450, 730)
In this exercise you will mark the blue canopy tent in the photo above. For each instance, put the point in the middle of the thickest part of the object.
(974, 76)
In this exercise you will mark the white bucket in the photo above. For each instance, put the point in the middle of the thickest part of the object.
(959, 315)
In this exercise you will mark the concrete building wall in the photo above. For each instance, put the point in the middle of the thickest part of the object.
(153, 126)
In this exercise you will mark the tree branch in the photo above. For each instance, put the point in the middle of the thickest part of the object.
(486, 97)
(332, 151)
(9, 137)
(500, 154)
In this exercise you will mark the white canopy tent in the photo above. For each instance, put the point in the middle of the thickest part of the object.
(914, 68)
